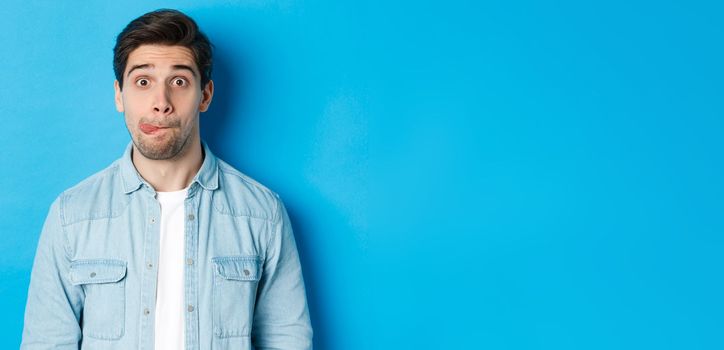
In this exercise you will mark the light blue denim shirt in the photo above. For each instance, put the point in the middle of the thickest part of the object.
(93, 284)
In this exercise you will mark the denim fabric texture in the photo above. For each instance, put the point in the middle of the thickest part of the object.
(93, 282)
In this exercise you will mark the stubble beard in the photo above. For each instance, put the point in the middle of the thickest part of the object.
(169, 149)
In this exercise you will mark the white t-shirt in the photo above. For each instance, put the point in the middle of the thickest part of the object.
(169, 322)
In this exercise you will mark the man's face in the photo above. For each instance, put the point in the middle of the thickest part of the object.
(161, 100)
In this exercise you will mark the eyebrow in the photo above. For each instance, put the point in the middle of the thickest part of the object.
(184, 67)
(147, 66)
(138, 66)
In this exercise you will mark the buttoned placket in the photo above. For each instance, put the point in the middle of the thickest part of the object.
(190, 276)
(149, 277)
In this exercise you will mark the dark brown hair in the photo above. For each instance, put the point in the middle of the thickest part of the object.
(166, 27)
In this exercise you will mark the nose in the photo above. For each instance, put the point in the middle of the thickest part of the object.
(162, 101)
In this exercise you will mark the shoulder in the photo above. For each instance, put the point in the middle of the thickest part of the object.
(96, 196)
(240, 195)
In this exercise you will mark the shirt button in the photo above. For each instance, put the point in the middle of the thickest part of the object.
(149, 265)
(191, 308)
(191, 217)
(189, 261)
(246, 272)
(153, 220)
(93, 274)
(146, 311)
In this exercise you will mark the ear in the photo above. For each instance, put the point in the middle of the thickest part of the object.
(206, 95)
(119, 97)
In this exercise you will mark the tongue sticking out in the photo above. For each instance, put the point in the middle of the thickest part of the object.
(148, 128)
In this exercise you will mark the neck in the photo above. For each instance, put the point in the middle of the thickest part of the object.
(170, 174)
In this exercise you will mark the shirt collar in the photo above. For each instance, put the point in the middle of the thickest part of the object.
(207, 176)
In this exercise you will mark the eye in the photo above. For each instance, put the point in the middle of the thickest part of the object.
(143, 82)
(180, 82)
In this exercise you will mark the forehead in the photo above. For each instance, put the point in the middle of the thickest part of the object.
(160, 56)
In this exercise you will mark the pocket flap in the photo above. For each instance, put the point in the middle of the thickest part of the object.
(97, 271)
(239, 268)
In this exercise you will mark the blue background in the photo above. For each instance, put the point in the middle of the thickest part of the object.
(460, 174)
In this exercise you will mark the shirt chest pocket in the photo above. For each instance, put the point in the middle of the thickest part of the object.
(104, 284)
(234, 294)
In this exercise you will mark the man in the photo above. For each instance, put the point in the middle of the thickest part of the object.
(169, 247)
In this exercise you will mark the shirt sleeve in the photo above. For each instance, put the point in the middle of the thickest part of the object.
(281, 316)
(53, 306)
